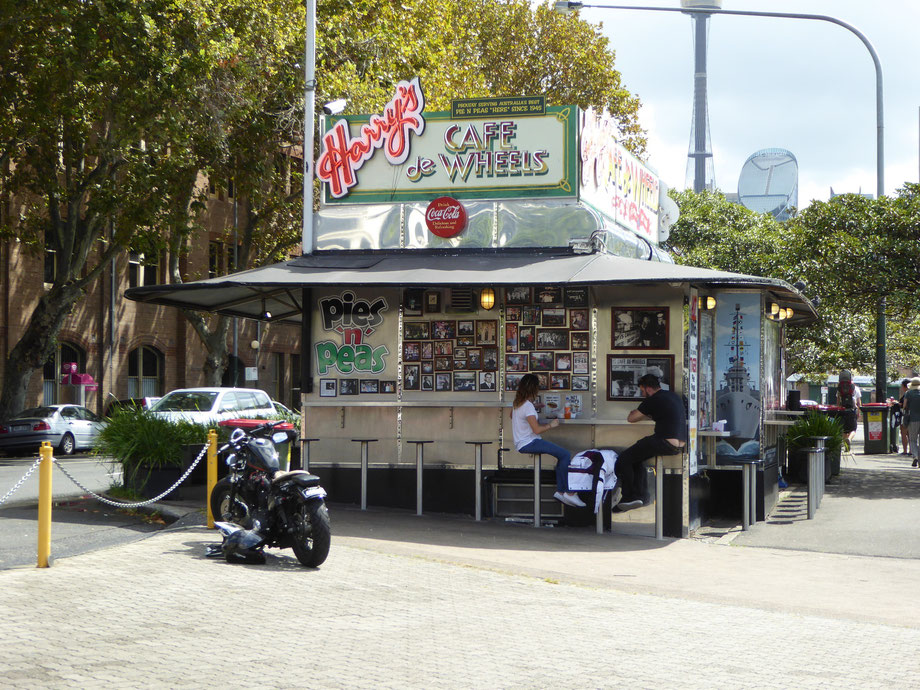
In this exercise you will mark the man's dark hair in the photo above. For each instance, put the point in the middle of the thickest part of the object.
(649, 381)
(905, 382)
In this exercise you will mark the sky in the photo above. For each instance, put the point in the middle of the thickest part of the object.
(803, 85)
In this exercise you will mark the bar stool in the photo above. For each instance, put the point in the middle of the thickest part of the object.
(419, 464)
(478, 465)
(537, 460)
(364, 442)
(305, 453)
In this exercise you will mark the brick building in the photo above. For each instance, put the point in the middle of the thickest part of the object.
(133, 349)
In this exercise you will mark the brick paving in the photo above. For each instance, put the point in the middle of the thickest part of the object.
(156, 613)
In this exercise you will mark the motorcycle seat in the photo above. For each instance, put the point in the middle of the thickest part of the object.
(302, 477)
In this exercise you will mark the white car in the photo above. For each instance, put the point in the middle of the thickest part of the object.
(207, 405)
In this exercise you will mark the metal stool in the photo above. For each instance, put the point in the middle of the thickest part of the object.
(364, 442)
(419, 464)
(478, 466)
(305, 453)
(537, 460)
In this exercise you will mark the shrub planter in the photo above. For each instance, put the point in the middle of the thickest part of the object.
(200, 474)
(152, 481)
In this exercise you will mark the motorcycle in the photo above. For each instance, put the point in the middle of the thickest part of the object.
(259, 505)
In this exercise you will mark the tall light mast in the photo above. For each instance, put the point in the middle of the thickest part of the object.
(700, 171)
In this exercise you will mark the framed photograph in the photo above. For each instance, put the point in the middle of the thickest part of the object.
(580, 340)
(443, 364)
(490, 358)
(560, 382)
(530, 316)
(348, 386)
(464, 380)
(411, 377)
(518, 295)
(580, 383)
(412, 351)
(427, 350)
(487, 332)
(563, 361)
(327, 388)
(576, 297)
(512, 381)
(444, 330)
(486, 380)
(548, 296)
(513, 314)
(554, 316)
(516, 362)
(427, 367)
(369, 385)
(578, 319)
(527, 338)
(474, 358)
(579, 363)
(553, 338)
(427, 382)
(443, 382)
(623, 374)
(466, 340)
(443, 348)
(511, 337)
(413, 300)
(639, 328)
(416, 330)
(467, 328)
(459, 364)
(433, 302)
(542, 361)
(543, 378)
(459, 353)
(388, 386)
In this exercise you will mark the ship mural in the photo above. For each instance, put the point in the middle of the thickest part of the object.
(738, 400)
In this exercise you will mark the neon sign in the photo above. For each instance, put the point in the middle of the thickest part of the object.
(343, 156)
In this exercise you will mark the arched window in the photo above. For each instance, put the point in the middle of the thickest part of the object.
(145, 372)
(66, 352)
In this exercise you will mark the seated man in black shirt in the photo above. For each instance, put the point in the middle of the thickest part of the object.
(670, 436)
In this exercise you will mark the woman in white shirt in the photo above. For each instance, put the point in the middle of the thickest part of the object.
(527, 430)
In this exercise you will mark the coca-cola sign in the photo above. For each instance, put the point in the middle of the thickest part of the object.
(445, 217)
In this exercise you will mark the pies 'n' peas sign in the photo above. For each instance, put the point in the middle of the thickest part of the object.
(355, 319)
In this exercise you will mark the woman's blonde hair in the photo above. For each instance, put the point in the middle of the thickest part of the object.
(528, 387)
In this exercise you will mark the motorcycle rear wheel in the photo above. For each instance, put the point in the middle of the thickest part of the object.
(221, 508)
(313, 534)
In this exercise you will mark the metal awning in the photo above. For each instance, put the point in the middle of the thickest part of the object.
(276, 288)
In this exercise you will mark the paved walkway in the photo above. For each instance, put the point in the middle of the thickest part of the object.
(443, 602)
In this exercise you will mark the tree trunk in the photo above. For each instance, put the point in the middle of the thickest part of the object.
(35, 347)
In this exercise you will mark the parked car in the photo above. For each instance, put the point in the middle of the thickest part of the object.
(808, 403)
(137, 403)
(206, 405)
(67, 427)
(281, 408)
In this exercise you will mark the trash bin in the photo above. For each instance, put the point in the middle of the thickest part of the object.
(284, 449)
(875, 428)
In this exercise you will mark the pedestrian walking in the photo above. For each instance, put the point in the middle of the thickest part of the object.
(912, 402)
(905, 444)
(849, 397)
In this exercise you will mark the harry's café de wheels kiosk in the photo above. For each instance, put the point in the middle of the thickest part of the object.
(455, 252)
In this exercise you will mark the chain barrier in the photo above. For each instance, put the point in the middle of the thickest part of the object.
(119, 504)
(22, 481)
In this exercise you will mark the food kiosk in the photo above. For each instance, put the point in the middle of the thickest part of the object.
(456, 251)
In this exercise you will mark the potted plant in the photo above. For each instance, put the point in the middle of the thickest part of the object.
(149, 449)
(802, 435)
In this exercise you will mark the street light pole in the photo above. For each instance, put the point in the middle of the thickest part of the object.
(309, 125)
(567, 6)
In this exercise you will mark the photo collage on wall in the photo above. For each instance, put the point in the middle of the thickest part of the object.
(450, 355)
(547, 334)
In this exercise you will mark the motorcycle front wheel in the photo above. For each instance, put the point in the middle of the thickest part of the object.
(221, 508)
(313, 534)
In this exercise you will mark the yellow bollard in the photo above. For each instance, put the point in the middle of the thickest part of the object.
(212, 473)
(44, 506)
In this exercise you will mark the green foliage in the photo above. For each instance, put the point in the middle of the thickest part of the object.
(140, 441)
(812, 424)
(849, 251)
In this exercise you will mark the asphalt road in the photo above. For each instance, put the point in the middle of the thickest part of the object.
(80, 524)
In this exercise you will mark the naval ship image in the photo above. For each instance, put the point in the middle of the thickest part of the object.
(737, 400)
